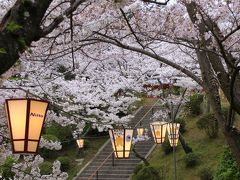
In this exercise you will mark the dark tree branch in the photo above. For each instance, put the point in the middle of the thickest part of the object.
(131, 29)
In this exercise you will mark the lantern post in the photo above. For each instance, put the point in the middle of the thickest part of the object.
(25, 119)
(173, 135)
(80, 143)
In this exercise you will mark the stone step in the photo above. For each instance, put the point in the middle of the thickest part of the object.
(123, 168)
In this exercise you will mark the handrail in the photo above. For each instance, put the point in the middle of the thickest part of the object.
(146, 113)
(95, 172)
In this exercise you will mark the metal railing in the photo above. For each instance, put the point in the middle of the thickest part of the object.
(96, 172)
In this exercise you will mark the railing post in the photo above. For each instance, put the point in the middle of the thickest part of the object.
(97, 175)
(113, 159)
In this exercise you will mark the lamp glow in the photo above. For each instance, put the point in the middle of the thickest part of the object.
(121, 142)
(173, 133)
(25, 122)
(158, 129)
(80, 143)
(140, 131)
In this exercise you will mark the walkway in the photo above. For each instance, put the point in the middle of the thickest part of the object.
(101, 166)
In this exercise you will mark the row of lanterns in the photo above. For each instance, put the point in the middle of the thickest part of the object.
(122, 138)
(26, 118)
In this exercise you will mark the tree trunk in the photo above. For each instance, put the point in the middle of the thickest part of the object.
(211, 87)
(19, 27)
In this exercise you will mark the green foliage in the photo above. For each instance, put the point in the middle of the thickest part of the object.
(205, 174)
(65, 162)
(146, 172)
(93, 131)
(61, 69)
(227, 168)
(209, 124)
(138, 168)
(182, 124)
(225, 110)
(48, 153)
(13, 26)
(194, 103)
(69, 76)
(3, 51)
(63, 133)
(191, 159)
(5, 168)
(21, 42)
(167, 147)
(46, 168)
(50, 137)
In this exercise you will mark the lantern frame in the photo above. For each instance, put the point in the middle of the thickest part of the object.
(28, 114)
(80, 143)
(125, 152)
(173, 133)
(163, 130)
(140, 131)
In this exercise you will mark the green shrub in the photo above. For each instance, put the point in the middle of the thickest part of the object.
(193, 104)
(209, 124)
(167, 147)
(138, 168)
(5, 168)
(205, 174)
(65, 162)
(47, 153)
(191, 159)
(225, 110)
(227, 168)
(46, 168)
(50, 137)
(93, 131)
(69, 76)
(147, 172)
(63, 133)
(86, 144)
(182, 124)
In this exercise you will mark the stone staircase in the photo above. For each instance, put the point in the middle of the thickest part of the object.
(105, 167)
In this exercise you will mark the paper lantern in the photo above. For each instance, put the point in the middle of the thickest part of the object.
(158, 129)
(173, 133)
(25, 122)
(121, 142)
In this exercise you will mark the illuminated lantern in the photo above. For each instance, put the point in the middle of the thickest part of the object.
(140, 131)
(25, 122)
(158, 129)
(80, 143)
(121, 142)
(173, 133)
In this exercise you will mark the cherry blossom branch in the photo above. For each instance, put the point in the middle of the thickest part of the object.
(60, 18)
(131, 29)
(110, 40)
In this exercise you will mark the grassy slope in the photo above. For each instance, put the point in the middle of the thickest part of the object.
(208, 149)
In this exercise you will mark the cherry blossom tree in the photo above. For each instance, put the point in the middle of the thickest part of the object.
(105, 50)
